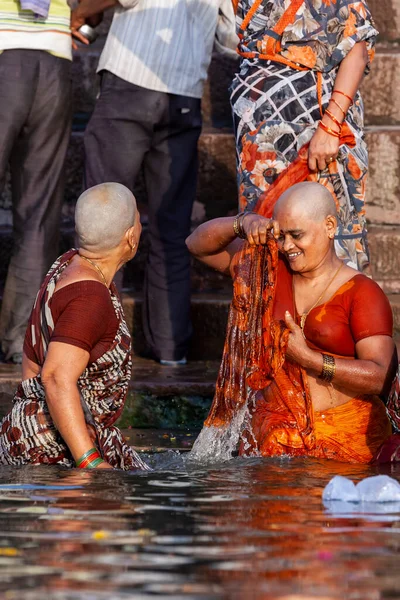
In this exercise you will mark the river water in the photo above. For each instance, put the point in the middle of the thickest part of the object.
(245, 529)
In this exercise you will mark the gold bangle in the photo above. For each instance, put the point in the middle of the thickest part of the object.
(238, 224)
(328, 368)
(236, 227)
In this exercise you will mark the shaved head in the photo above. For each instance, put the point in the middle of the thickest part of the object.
(103, 214)
(308, 199)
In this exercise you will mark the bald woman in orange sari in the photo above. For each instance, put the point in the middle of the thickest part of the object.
(309, 355)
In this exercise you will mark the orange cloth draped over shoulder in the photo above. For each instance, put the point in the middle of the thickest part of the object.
(254, 372)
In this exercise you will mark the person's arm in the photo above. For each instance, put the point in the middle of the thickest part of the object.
(215, 242)
(324, 146)
(89, 8)
(370, 373)
(226, 39)
(62, 368)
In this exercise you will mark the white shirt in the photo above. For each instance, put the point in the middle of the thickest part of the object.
(166, 45)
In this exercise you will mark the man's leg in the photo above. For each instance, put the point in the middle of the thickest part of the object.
(119, 132)
(37, 162)
(171, 178)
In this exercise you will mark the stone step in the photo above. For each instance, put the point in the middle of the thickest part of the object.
(203, 279)
(161, 440)
(209, 317)
(209, 314)
(381, 89)
(384, 242)
(165, 407)
(383, 185)
(395, 303)
(159, 397)
(387, 17)
(217, 192)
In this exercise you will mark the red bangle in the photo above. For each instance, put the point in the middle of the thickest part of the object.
(88, 458)
(339, 106)
(334, 119)
(88, 461)
(329, 130)
(345, 95)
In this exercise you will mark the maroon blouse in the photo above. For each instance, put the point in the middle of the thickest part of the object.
(83, 316)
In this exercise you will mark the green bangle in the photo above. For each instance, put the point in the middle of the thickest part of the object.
(85, 456)
(95, 463)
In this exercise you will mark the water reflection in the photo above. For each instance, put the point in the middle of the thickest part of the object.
(247, 529)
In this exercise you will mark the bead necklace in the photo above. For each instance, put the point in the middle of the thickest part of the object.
(304, 316)
(96, 267)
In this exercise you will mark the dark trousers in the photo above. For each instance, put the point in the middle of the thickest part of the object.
(130, 127)
(35, 124)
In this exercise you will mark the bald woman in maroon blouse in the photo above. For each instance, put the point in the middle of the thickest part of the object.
(77, 352)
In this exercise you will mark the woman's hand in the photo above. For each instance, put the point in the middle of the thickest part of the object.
(322, 151)
(257, 228)
(297, 349)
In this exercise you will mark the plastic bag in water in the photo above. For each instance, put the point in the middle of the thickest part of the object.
(380, 488)
(340, 488)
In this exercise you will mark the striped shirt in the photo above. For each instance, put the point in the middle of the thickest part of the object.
(20, 29)
(166, 45)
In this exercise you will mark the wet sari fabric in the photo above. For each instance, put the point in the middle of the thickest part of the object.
(276, 105)
(27, 433)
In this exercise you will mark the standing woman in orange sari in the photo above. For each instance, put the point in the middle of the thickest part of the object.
(296, 97)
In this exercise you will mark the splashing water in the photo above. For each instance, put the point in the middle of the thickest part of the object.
(216, 444)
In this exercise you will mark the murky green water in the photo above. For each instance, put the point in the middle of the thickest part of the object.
(247, 529)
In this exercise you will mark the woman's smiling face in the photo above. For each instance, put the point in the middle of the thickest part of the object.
(304, 242)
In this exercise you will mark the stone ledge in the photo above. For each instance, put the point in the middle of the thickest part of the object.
(158, 396)
(217, 194)
(209, 317)
(171, 437)
(384, 243)
(383, 185)
(387, 17)
(381, 88)
(395, 304)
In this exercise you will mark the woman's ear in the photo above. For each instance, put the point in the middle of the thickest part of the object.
(131, 238)
(331, 226)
